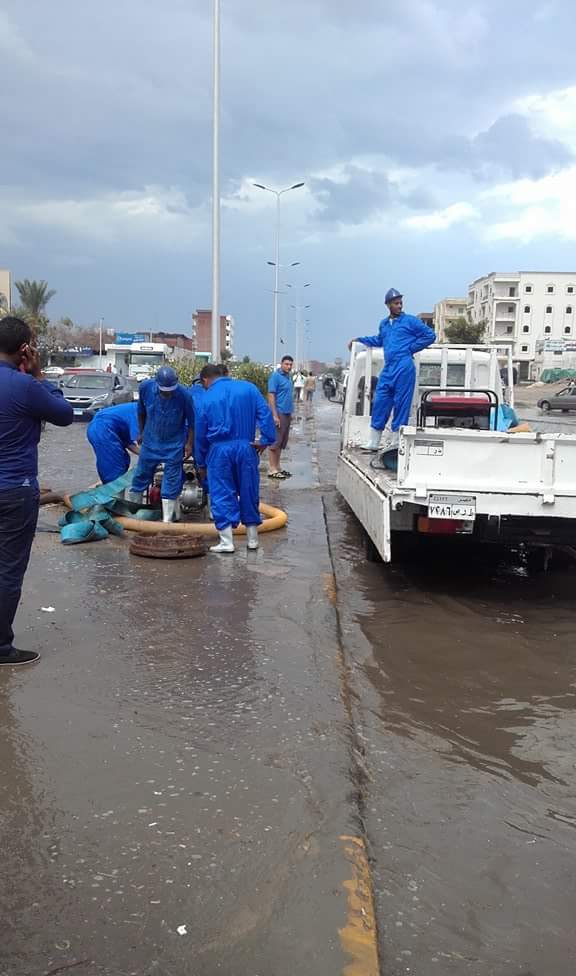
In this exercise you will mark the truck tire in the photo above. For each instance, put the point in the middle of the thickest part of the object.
(545, 406)
(372, 554)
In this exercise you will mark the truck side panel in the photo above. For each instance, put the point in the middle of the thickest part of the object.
(370, 506)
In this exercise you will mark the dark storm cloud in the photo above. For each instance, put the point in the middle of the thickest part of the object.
(101, 100)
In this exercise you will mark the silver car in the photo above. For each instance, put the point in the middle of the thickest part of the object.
(90, 392)
(563, 400)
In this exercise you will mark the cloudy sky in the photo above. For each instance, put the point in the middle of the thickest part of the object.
(437, 140)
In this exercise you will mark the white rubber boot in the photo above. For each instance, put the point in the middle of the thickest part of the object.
(373, 442)
(226, 543)
(252, 536)
(134, 496)
(169, 509)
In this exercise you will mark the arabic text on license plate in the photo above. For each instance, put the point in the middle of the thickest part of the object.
(461, 507)
(78, 412)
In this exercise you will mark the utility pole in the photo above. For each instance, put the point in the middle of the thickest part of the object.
(216, 187)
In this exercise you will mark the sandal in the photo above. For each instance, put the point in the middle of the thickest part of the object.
(277, 475)
(287, 474)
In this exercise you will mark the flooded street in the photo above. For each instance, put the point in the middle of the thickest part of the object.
(465, 670)
(191, 773)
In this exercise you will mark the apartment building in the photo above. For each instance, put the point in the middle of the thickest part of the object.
(447, 312)
(202, 331)
(5, 290)
(526, 309)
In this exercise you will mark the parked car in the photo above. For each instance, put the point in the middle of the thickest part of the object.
(90, 392)
(563, 400)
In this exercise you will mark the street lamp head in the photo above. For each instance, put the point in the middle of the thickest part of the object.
(271, 263)
(297, 186)
(260, 186)
(295, 264)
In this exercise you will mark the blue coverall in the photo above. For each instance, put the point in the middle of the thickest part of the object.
(110, 433)
(225, 432)
(166, 420)
(400, 338)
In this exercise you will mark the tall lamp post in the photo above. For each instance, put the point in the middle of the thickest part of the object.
(216, 186)
(278, 194)
(298, 289)
(100, 330)
(298, 309)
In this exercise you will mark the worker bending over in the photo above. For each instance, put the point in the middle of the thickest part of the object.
(400, 336)
(165, 413)
(113, 433)
(225, 448)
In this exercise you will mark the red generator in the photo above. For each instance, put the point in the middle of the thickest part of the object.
(472, 409)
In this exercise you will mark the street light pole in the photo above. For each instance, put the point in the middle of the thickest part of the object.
(277, 194)
(299, 309)
(100, 328)
(216, 187)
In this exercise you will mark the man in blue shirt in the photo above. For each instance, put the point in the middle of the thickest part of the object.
(165, 411)
(113, 433)
(400, 336)
(226, 446)
(281, 400)
(25, 401)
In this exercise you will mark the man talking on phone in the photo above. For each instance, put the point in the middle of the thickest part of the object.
(25, 401)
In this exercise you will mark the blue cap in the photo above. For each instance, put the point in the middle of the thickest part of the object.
(167, 379)
(391, 294)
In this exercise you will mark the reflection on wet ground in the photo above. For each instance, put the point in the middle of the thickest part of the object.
(466, 667)
(175, 772)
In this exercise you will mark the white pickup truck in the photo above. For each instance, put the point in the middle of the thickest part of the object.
(456, 474)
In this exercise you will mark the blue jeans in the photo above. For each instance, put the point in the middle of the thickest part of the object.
(18, 517)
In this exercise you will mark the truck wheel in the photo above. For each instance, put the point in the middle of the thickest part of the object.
(372, 554)
(545, 406)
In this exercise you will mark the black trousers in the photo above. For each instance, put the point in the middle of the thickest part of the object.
(18, 518)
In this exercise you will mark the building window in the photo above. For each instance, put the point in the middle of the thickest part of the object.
(512, 293)
(524, 348)
(549, 289)
(570, 289)
(568, 310)
(509, 330)
(548, 310)
(567, 330)
(511, 309)
(526, 310)
(547, 330)
(528, 289)
(526, 328)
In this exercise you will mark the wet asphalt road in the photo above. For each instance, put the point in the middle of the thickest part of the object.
(201, 735)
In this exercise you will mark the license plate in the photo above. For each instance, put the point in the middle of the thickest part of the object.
(461, 507)
(78, 412)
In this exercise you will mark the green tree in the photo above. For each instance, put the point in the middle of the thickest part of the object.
(253, 372)
(225, 355)
(34, 297)
(463, 332)
(246, 359)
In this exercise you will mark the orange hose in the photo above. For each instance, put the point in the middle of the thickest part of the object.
(274, 518)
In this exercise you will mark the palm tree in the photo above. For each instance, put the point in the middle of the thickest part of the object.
(35, 296)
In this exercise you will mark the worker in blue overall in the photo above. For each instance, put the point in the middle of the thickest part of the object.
(113, 434)
(226, 449)
(166, 417)
(400, 336)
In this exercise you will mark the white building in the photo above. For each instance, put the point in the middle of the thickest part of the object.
(525, 309)
(5, 290)
(446, 313)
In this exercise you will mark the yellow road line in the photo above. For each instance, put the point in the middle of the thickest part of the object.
(358, 937)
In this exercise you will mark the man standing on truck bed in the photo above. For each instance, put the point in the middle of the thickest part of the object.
(400, 336)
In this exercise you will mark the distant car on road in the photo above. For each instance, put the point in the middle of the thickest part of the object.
(90, 392)
(563, 400)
